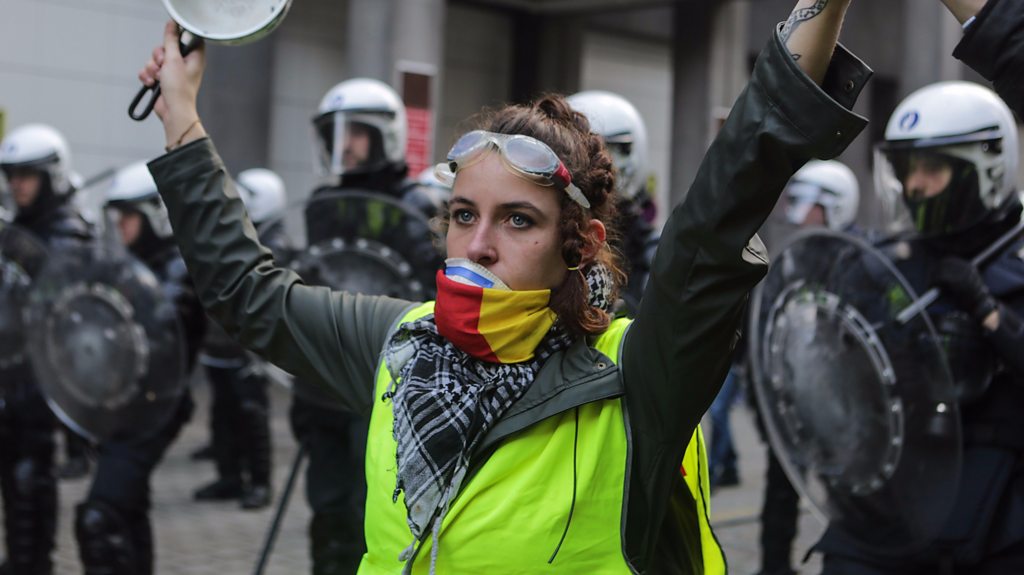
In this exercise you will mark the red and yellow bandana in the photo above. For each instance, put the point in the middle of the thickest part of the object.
(495, 325)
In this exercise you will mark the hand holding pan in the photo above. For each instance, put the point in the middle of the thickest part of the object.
(231, 22)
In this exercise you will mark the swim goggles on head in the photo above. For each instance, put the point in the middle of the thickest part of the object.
(524, 156)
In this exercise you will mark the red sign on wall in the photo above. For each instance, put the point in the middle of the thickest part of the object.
(421, 137)
(416, 93)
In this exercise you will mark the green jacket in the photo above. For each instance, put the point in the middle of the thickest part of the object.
(677, 351)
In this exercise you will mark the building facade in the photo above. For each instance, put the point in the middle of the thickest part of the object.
(72, 64)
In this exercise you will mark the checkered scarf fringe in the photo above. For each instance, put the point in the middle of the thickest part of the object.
(446, 404)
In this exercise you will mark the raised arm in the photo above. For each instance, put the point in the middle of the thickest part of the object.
(811, 32)
(993, 44)
(964, 10)
(677, 351)
(320, 335)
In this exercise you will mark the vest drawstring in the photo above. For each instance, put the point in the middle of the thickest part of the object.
(572, 506)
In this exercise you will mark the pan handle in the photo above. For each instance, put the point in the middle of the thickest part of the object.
(186, 44)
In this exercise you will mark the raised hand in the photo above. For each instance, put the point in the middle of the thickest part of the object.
(179, 79)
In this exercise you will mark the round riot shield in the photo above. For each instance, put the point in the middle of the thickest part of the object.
(370, 243)
(366, 242)
(22, 256)
(860, 409)
(106, 344)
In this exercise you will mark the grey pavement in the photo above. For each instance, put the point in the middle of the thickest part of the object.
(206, 538)
(221, 539)
(735, 510)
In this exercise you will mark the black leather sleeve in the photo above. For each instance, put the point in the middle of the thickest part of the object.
(994, 46)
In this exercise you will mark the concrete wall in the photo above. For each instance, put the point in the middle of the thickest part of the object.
(478, 68)
(641, 71)
(73, 64)
(308, 59)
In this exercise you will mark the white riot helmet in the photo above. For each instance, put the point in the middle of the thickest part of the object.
(38, 147)
(359, 107)
(955, 132)
(617, 121)
(262, 191)
(829, 184)
(133, 189)
(435, 191)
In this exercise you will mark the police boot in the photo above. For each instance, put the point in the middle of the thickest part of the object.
(30, 515)
(258, 457)
(256, 444)
(336, 550)
(255, 497)
(778, 520)
(222, 489)
(142, 539)
(106, 544)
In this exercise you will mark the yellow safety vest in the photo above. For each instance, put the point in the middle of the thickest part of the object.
(510, 516)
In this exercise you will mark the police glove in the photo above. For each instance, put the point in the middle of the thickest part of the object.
(960, 279)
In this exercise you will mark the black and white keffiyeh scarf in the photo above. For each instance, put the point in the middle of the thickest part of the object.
(445, 403)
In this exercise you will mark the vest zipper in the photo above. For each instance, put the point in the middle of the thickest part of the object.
(572, 506)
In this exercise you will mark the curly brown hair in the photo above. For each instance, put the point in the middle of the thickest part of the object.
(567, 132)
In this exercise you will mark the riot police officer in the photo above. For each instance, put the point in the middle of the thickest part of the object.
(822, 194)
(112, 525)
(36, 165)
(360, 142)
(619, 123)
(239, 412)
(951, 156)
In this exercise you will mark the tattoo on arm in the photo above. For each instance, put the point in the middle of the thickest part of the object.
(799, 16)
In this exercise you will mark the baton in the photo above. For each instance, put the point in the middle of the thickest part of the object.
(97, 178)
(910, 312)
(282, 506)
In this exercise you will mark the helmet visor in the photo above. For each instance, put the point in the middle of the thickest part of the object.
(939, 191)
(626, 178)
(349, 143)
(803, 197)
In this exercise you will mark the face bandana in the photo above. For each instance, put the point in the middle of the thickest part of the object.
(480, 315)
(447, 400)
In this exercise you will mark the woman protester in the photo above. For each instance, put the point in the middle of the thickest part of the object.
(531, 431)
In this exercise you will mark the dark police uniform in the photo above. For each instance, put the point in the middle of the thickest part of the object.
(985, 531)
(240, 410)
(112, 525)
(336, 440)
(27, 426)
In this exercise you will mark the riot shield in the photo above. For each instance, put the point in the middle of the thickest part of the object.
(106, 344)
(370, 243)
(366, 242)
(22, 256)
(860, 409)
